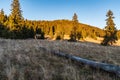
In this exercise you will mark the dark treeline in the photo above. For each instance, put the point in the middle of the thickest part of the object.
(15, 26)
(52, 29)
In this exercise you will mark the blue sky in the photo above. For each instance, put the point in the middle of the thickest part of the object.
(92, 12)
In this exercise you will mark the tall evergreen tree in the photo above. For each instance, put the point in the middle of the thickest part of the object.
(16, 15)
(3, 17)
(110, 30)
(73, 35)
(16, 10)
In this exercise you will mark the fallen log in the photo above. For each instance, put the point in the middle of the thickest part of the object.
(104, 66)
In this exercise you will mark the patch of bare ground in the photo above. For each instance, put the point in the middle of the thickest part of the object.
(28, 60)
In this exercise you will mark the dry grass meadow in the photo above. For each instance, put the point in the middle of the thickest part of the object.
(27, 60)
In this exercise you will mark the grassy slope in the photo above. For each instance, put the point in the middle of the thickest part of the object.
(25, 60)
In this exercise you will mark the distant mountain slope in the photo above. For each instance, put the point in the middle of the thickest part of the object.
(64, 27)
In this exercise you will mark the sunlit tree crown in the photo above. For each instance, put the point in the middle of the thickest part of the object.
(16, 10)
(110, 23)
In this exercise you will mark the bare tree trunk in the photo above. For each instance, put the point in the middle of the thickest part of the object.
(104, 66)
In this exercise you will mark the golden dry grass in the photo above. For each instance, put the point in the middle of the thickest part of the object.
(26, 60)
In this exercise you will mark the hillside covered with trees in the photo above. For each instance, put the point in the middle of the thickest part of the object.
(14, 26)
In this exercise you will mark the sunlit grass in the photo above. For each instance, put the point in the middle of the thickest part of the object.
(26, 60)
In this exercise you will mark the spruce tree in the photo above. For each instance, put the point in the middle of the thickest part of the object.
(3, 17)
(110, 30)
(15, 17)
(3, 28)
(73, 35)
